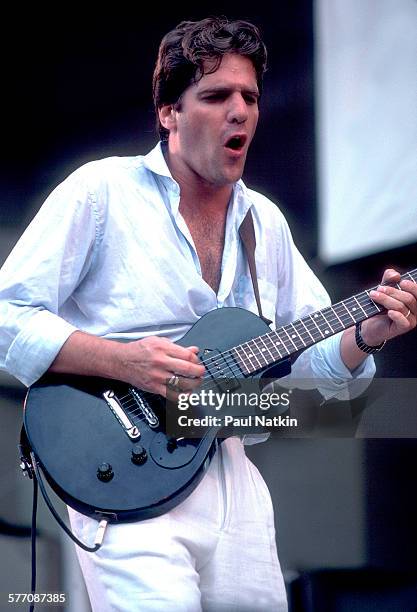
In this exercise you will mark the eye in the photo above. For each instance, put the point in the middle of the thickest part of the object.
(217, 97)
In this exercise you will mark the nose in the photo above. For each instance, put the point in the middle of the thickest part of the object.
(238, 110)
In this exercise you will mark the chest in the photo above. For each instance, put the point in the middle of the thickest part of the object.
(208, 237)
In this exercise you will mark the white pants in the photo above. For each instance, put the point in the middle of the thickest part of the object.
(214, 552)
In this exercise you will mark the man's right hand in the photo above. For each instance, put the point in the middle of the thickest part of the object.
(148, 363)
(151, 362)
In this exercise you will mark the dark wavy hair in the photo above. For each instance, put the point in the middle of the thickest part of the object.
(184, 51)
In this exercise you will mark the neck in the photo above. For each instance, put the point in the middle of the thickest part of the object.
(196, 193)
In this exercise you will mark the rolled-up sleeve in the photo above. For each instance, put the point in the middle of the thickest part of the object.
(36, 345)
(47, 264)
(322, 366)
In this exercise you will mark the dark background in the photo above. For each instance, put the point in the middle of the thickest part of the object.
(77, 89)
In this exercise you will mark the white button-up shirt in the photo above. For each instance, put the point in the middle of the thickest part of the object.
(110, 254)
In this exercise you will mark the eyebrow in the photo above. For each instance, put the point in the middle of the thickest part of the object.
(226, 90)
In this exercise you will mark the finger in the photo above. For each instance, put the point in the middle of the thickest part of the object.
(403, 323)
(184, 353)
(391, 276)
(393, 299)
(194, 354)
(164, 391)
(410, 287)
(180, 385)
(171, 394)
(194, 349)
(184, 387)
(185, 368)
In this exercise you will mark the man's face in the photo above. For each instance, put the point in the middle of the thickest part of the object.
(214, 123)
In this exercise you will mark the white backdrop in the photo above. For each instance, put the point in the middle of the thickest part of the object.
(366, 101)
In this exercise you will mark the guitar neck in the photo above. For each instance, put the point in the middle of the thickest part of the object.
(265, 350)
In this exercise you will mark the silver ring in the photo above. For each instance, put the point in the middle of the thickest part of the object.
(408, 314)
(173, 381)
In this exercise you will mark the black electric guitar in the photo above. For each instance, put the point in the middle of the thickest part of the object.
(102, 444)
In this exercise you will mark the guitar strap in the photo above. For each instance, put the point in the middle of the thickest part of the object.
(247, 235)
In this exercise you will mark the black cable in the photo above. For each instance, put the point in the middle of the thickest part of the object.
(33, 543)
(56, 516)
(31, 468)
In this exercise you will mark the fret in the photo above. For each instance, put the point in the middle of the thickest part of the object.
(327, 312)
(274, 339)
(346, 315)
(301, 322)
(257, 352)
(297, 336)
(280, 346)
(248, 354)
(349, 310)
(312, 328)
(289, 338)
(304, 331)
(369, 307)
(244, 360)
(359, 304)
(311, 318)
(376, 306)
(325, 331)
(261, 338)
(270, 348)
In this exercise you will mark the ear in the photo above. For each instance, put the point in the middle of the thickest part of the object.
(168, 117)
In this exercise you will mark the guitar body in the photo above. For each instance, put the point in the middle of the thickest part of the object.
(83, 430)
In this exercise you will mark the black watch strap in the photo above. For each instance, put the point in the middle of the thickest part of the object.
(362, 344)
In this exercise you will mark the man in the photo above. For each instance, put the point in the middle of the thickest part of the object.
(138, 249)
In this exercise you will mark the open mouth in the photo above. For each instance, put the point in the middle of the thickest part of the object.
(236, 142)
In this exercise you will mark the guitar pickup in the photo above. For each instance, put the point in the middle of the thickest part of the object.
(115, 406)
(221, 369)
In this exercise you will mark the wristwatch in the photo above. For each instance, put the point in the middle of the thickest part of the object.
(362, 344)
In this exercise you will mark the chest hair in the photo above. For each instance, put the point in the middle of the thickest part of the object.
(208, 235)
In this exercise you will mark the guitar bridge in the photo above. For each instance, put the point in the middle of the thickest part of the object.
(116, 407)
(145, 408)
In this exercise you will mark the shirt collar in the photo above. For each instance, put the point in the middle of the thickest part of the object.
(155, 162)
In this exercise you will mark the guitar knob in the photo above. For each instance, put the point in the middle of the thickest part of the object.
(105, 472)
(139, 454)
(172, 444)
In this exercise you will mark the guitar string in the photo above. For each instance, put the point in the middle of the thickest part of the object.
(235, 369)
(329, 310)
(324, 313)
(209, 378)
(269, 340)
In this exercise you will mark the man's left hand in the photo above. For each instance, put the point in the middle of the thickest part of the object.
(401, 309)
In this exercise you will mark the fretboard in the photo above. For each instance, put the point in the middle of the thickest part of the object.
(265, 350)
